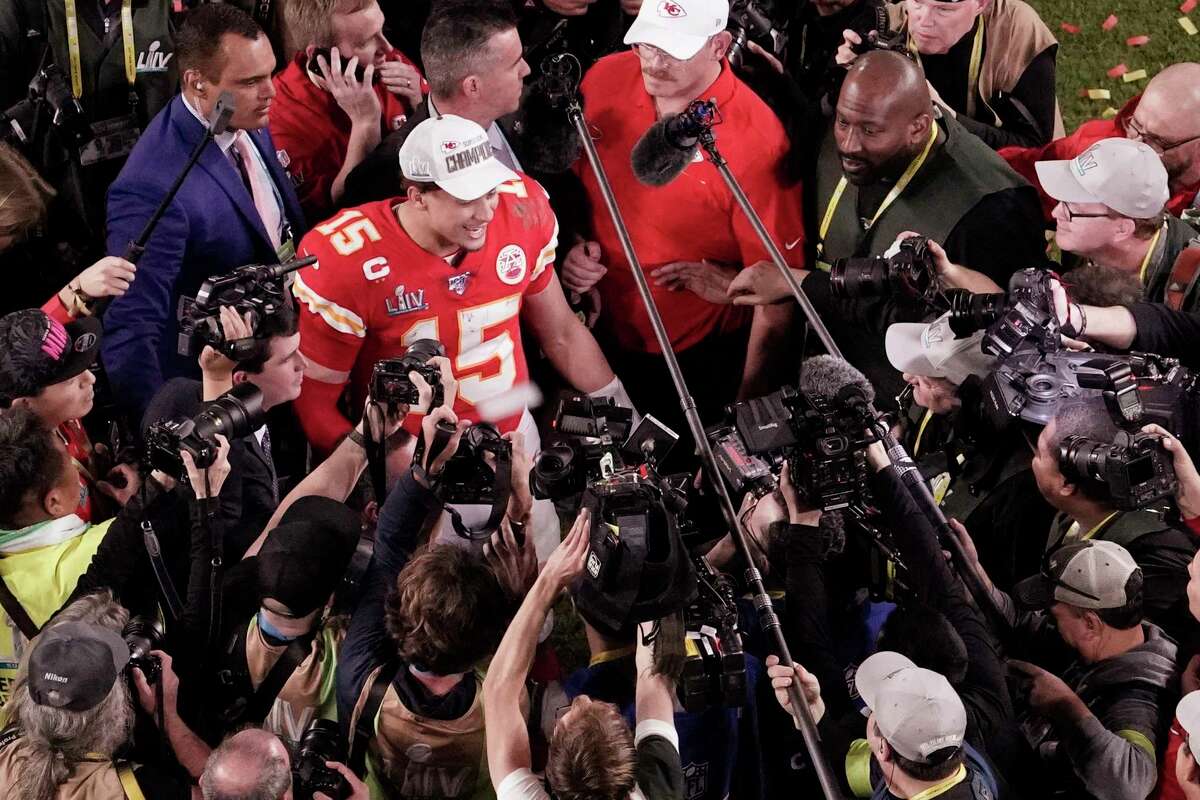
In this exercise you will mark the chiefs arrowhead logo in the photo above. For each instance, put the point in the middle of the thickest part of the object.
(449, 146)
(670, 9)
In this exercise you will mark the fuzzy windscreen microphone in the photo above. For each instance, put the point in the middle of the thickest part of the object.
(663, 152)
(831, 377)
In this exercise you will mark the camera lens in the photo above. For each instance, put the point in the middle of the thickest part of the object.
(859, 277)
(233, 415)
(1084, 457)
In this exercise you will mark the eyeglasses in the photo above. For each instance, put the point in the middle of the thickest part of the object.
(648, 52)
(1140, 134)
(1074, 215)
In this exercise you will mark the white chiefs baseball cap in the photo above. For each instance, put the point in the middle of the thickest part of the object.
(931, 350)
(1125, 175)
(454, 153)
(678, 27)
(916, 710)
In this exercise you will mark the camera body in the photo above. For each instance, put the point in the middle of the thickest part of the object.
(590, 433)
(49, 89)
(143, 634)
(323, 741)
(1024, 313)
(467, 478)
(748, 21)
(390, 384)
(1135, 467)
(910, 272)
(714, 669)
(255, 291)
(235, 414)
(820, 439)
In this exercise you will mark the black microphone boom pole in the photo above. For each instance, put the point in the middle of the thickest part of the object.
(901, 461)
(762, 601)
(222, 112)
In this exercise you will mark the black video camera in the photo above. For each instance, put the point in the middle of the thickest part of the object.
(323, 741)
(587, 431)
(390, 385)
(822, 440)
(748, 21)
(255, 290)
(909, 273)
(235, 414)
(1024, 313)
(51, 91)
(143, 634)
(714, 669)
(1134, 468)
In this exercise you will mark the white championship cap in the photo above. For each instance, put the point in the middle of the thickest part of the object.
(916, 710)
(931, 351)
(1125, 175)
(678, 27)
(454, 153)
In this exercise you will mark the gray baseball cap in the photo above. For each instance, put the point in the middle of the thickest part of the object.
(1089, 574)
(73, 665)
(1127, 176)
(916, 710)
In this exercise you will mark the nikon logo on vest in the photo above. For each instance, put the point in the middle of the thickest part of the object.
(152, 59)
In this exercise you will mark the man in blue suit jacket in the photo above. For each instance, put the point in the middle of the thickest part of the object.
(236, 207)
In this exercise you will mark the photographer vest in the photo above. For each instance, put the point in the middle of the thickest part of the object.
(95, 778)
(1170, 273)
(954, 177)
(1124, 528)
(411, 756)
(1013, 35)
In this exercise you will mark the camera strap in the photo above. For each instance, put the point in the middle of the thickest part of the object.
(16, 612)
(363, 729)
(264, 697)
(166, 586)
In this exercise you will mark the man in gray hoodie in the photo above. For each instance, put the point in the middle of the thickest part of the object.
(1097, 728)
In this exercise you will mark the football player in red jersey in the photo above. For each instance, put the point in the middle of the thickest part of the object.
(462, 257)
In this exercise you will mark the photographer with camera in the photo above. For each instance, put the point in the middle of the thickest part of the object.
(46, 367)
(592, 751)
(72, 713)
(254, 763)
(338, 96)
(274, 364)
(1002, 49)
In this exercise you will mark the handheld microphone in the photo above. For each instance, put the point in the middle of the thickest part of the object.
(669, 145)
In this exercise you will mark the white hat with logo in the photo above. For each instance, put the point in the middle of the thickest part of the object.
(1188, 714)
(678, 27)
(932, 351)
(454, 153)
(916, 710)
(1127, 176)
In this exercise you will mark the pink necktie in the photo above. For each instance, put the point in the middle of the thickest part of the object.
(260, 187)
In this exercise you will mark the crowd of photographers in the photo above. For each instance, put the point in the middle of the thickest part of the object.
(819, 426)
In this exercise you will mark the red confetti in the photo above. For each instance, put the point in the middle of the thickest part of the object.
(1118, 71)
(1069, 28)
(1187, 6)
(1138, 41)
(1109, 23)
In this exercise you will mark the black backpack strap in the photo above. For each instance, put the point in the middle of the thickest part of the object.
(16, 612)
(264, 697)
(170, 595)
(364, 726)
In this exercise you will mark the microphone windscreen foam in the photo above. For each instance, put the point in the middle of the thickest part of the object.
(826, 375)
(655, 160)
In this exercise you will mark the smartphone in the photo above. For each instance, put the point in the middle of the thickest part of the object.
(315, 68)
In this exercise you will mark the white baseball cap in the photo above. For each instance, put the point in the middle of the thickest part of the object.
(932, 351)
(454, 153)
(678, 27)
(916, 710)
(1188, 714)
(1125, 175)
(1089, 574)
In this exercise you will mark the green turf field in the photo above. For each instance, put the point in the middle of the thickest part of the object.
(1084, 58)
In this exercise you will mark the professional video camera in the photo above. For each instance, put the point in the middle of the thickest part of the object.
(390, 385)
(822, 440)
(255, 290)
(323, 741)
(1135, 468)
(587, 431)
(143, 634)
(714, 670)
(50, 91)
(235, 414)
(909, 272)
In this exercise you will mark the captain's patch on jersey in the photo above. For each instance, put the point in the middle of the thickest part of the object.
(511, 264)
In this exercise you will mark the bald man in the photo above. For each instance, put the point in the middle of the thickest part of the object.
(887, 165)
(1166, 116)
(255, 763)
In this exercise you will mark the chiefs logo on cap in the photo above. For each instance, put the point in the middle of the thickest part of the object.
(669, 9)
(450, 146)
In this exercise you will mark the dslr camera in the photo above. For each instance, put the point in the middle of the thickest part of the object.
(748, 21)
(255, 291)
(323, 741)
(909, 273)
(390, 385)
(143, 634)
(821, 439)
(1135, 468)
(235, 414)
(1024, 313)
(49, 90)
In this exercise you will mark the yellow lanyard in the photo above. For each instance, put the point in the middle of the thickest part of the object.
(973, 67)
(896, 191)
(126, 44)
(921, 431)
(1072, 533)
(939, 788)
(1149, 255)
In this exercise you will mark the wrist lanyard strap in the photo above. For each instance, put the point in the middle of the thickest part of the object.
(940, 788)
(126, 44)
(1149, 255)
(973, 67)
(896, 191)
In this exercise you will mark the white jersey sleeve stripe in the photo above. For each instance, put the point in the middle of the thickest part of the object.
(546, 257)
(339, 318)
